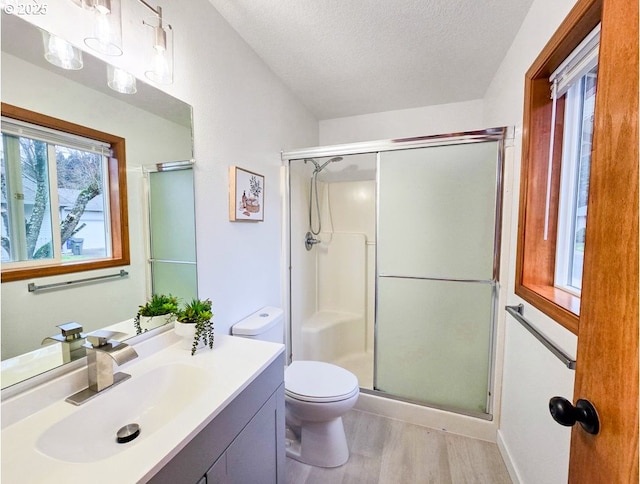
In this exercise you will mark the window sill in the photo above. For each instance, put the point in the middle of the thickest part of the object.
(559, 305)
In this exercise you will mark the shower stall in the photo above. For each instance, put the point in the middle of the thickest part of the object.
(393, 264)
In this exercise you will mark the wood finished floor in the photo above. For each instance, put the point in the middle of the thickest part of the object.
(388, 451)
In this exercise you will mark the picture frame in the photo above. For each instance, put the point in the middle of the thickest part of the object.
(246, 195)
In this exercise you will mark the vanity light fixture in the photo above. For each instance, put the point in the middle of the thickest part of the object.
(120, 80)
(61, 53)
(106, 35)
(161, 63)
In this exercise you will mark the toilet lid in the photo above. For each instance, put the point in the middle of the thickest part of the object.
(317, 381)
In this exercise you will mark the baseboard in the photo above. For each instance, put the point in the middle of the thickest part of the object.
(506, 457)
(428, 417)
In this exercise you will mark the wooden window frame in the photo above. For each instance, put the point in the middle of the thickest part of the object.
(117, 199)
(535, 259)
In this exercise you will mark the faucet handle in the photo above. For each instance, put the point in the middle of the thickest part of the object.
(71, 330)
(101, 337)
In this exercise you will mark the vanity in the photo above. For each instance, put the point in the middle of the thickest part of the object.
(216, 417)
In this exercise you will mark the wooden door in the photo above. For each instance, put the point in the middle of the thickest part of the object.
(607, 368)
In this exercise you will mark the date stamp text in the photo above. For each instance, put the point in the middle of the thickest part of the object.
(12, 8)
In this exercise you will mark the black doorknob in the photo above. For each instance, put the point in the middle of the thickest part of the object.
(566, 414)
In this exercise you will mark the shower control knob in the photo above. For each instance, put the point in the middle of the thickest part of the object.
(566, 414)
(310, 241)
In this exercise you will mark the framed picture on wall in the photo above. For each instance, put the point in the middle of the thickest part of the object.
(246, 195)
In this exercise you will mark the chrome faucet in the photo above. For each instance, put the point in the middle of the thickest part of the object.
(71, 341)
(101, 353)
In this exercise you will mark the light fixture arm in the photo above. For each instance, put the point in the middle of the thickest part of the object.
(159, 32)
(157, 11)
(161, 67)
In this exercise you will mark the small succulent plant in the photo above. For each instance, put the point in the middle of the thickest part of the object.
(198, 312)
(158, 305)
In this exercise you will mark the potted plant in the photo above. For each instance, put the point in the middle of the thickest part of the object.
(194, 324)
(161, 309)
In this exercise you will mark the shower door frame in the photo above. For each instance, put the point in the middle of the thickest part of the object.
(501, 135)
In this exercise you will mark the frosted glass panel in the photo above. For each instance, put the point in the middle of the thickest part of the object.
(172, 215)
(434, 340)
(437, 211)
(177, 279)
(172, 221)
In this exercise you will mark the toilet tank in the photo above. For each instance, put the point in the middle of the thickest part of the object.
(266, 324)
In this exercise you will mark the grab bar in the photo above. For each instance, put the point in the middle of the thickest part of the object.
(33, 288)
(518, 313)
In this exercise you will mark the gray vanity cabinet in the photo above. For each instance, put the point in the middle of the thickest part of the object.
(243, 444)
(249, 458)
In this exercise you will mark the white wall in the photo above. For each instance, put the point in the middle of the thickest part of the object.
(404, 123)
(535, 447)
(149, 138)
(243, 115)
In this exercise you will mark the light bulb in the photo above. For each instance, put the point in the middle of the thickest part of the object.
(106, 36)
(161, 56)
(61, 53)
(121, 81)
(161, 64)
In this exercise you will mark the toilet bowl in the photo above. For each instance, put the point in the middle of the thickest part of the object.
(317, 395)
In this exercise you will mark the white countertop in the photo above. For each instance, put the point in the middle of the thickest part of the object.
(231, 366)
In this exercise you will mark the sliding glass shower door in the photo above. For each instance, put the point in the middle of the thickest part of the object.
(437, 274)
(173, 232)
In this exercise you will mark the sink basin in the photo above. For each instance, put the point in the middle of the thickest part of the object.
(149, 400)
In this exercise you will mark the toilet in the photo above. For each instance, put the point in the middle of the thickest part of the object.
(317, 395)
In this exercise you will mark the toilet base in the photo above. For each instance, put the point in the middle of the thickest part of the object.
(320, 444)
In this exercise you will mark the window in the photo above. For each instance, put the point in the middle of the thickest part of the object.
(557, 137)
(574, 182)
(63, 197)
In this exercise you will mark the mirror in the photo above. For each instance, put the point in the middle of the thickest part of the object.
(157, 129)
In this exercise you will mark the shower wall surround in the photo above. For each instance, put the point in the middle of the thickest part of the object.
(333, 284)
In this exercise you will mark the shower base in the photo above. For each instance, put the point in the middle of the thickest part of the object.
(361, 365)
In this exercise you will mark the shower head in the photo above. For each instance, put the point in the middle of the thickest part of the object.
(319, 167)
(332, 160)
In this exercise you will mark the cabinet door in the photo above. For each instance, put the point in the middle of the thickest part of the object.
(217, 474)
(252, 457)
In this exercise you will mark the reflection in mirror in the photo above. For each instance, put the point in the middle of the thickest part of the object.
(157, 129)
(173, 251)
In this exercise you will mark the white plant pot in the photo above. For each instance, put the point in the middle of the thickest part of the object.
(187, 331)
(152, 322)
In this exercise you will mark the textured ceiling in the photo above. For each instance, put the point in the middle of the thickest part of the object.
(348, 57)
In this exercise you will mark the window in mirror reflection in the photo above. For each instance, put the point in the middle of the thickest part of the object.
(36, 173)
(62, 199)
